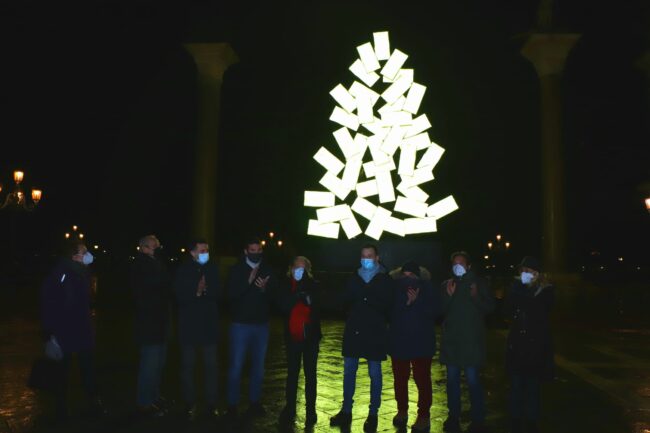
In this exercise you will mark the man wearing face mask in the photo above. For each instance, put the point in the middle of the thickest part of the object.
(151, 287)
(466, 300)
(67, 323)
(529, 353)
(197, 287)
(369, 293)
(299, 301)
(250, 287)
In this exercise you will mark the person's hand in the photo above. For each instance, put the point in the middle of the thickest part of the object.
(261, 282)
(200, 289)
(473, 290)
(253, 274)
(412, 295)
(451, 287)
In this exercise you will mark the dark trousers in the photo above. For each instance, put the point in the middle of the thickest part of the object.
(152, 362)
(476, 397)
(422, 376)
(307, 352)
(188, 360)
(87, 370)
(524, 397)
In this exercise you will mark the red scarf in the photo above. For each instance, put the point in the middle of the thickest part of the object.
(298, 317)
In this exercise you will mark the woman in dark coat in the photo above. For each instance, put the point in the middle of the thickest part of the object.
(412, 340)
(529, 355)
(299, 301)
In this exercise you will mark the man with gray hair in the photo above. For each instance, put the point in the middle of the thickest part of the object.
(151, 287)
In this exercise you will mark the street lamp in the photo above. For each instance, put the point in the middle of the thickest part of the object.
(647, 204)
(16, 199)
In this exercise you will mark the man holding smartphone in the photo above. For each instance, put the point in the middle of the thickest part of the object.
(250, 288)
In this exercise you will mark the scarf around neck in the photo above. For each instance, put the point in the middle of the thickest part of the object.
(368, 274)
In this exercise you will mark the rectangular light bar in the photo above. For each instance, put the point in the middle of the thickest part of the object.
(377, 223)
(442, 208)
(371, 168)
(364, 108)
(397, 89)
(393, 140)
(351, 227)
(329, 230)
(346, 143)
(334, 185)
(331, 163)
(395, 106)
(378, 156)
(420, 124)
(395, 226)
(344, 118)
(431, 156)
(344, 98)
(361, 144)
(377, 128)
(393, 65)
(368, 57)
(420, 176)
(364, 208)
(414, 98)
(368, 78)
(351, 173)
(415, 192)
(409, 207)
(421, 141)
(319, 199)
(385, 186)
(367, 188)
(382, 45)
(333, 214)
(420, 225)
(396, 118)
(407, 159)
(357, 89)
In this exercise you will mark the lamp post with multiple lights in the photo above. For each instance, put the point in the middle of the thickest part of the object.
(16, 199)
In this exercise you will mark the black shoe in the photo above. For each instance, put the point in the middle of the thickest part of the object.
(401, 419)
(287, 416)
(451, 425)
(422, 425)
(477, 427)
(256, 410)
(341, 419)
(311, 418)
(370, 426)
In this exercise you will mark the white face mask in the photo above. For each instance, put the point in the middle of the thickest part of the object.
(459, 270)
(527, 277)
(87, 258)
(203, 258)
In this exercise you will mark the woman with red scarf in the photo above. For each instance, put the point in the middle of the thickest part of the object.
(298, 300)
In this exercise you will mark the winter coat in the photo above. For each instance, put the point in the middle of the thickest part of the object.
(366, 328)
(463, 328)
(412, 331)
(197, 315)
(529, 346)
(151, 287)
(287, 299)
(248, 303)
(65, 306)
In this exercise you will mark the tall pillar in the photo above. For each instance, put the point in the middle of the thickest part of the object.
(212, 60)
(548, 53)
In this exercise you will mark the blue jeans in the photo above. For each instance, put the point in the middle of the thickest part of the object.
(475, 392)
(350, 366)
(152, 362)
(246, 338)
(524, 397)
(188, 359)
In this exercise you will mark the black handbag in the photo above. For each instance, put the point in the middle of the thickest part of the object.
(45, 374)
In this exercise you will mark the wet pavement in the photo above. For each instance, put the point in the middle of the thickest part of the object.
(602, 383)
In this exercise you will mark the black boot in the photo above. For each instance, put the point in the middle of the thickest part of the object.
(370, 426)
(341, 419)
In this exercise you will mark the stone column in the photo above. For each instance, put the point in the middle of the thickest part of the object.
(212, 60)
(548, 53)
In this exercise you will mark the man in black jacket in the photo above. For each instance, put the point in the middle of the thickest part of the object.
(197, 287)
(150, 283)
(250, 288)
(370, 293)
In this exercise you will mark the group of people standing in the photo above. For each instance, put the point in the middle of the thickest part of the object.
(390, 313)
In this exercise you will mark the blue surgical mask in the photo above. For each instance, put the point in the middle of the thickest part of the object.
(203, 258)
(459, 270)
(368, 264)
(527, 277)
(298, 273)
(88, 258)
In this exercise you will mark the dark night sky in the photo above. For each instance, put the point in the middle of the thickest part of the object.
(99, 110)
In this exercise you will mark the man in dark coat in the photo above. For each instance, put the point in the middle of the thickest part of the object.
(529, 353)
(465, 301)
(369, 293)
(151, 287)
(412, 338)
(250, 288)
(67, 323)
(299, 300)
(197, 287)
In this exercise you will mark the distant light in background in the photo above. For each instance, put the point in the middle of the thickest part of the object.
(499, 238)
(96, 247)
(74, 228)
(182, 250)
(137, 248)
(271, 234)
(620, 259)
(280, 243)
(507, 244)
(490, 245)
(18, 176)
(647, 204)
(81, 235)
(67, 235)
(486, 257)
(263, 243)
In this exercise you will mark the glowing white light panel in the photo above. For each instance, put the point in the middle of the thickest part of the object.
(381, 116)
